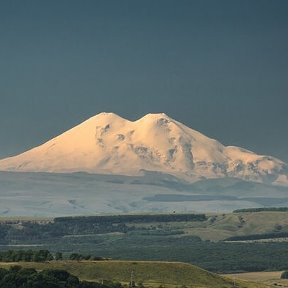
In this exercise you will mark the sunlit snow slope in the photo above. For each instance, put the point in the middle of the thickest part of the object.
(109, 144)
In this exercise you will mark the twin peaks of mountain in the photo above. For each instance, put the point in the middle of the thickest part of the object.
(109, 144)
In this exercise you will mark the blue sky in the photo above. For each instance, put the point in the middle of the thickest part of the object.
(220, 67)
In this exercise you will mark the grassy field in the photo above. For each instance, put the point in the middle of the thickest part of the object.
(221, 226)
(150, 273)
(271, 279)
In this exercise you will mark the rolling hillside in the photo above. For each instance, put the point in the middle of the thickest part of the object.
(150, 273)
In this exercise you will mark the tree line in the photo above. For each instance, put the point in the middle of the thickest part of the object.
(258, 236)
(263, 209)
(26, 255)
(133, 218)
(41, 256)
(33, 231)
(18, 277)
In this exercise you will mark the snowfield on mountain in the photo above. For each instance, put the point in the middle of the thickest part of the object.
(109, 144)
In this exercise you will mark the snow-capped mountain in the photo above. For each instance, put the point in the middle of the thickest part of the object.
(109, 144)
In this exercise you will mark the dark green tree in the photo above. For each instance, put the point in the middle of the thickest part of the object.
(58, 256)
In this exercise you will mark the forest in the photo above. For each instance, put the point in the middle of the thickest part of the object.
(142, 237)
(18, 277)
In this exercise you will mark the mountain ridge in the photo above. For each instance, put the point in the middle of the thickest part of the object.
(109, 144)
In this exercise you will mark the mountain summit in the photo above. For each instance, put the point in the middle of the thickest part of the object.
(110, 144)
